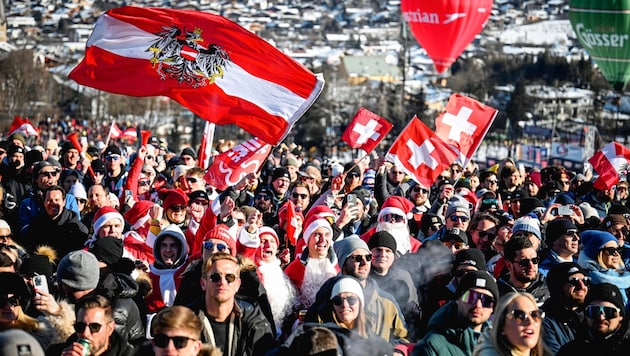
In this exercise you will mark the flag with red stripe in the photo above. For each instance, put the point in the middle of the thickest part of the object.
(231, 166)
(115, 131)
(608, 163)
(366, 130)
(209, 64)
(205, 150)
(22, 126)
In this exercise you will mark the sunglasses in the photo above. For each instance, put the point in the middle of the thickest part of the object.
(353, 175)
(572, 232)
(7, 246)
(455, 218)
(393, 217)
(13, 301)
(525, 262)
(192, 180)
(457, 244)
(613, 251)
(200, 202)
(338, 300)
(360, 258)
(112, 157)
(216, 278)
(492, 181)
(594, 311)
(49, 174)
(5, 237)
(144, 183)
(471, 297)
(521, 316)
(209, 245)
(161, 341)
(177, 208)
(298, 195)
(575, 282)
(420, 189)
(483, 234)
(435, 228)
(94, 327)
(263, 197)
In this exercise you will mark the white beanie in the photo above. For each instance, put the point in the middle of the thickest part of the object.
(314, 225)
(348, 285)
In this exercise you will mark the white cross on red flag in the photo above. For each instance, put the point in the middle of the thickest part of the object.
(420, 153)
(366, 130)
(463, 125)
(608, 162)
(231, 166)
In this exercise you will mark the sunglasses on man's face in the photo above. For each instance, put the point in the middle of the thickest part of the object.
(94, 327)
(360, 258)
(595, 311)
(455, 218)
(209, 245)
(262, 197)
(161, 341)
(298, 195)
(526, 262)
(393, 218)
(577, 282)
(471, 297)
(487, 234)
(216, 278)
(418, 189)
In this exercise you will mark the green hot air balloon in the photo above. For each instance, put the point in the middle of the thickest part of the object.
(603, 29)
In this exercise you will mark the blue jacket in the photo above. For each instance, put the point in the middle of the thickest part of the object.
(560, 324)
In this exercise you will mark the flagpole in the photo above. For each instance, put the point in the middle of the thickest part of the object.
(109, 134)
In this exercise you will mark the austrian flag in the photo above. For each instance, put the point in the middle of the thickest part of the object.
(609, 162)
(214, 67)
(366, 130)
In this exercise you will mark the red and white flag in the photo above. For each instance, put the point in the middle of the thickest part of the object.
(114, 131)
(287, 213)
(463, 125)
(420, 153)
(608, 163)
(366, 130)
(214, 67)
(22, 126)
(231, 166)
(205, 149)
(130, 134)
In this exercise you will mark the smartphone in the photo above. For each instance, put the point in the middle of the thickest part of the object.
(352, 199)
(565, 210)
(128, 193)
(40, 283)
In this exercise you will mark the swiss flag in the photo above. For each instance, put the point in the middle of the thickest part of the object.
(209, 64)
(22, 126)
(366, 130)
(608, 162)
(463, 125)
(231, 166)
(420, 153)
(287, 211)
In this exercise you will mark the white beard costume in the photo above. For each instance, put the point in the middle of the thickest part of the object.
(400, 231)
(318, 271)
(280, 291)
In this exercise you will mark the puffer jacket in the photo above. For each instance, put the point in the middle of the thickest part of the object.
(448, 334)
(537, 288)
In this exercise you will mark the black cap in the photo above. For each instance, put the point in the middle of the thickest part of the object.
(559, 274)
(280, 172)
(455, 234)
(112, 150)
(556, 228)
(382, 239)
(198, 194)
(470, 257)
(188, 151)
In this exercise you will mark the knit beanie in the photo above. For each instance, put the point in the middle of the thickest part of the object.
(605, 292)
(478, 279)
(108, 249)
(345, 247)
(348, 285)
(222, 232)
(559, 274)
(79, 270)
(594, 240)
(382, 239)
(527, 224)
(470, 257)
(556, 228)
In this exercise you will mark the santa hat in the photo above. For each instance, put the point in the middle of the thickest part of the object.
(172, 197)
(267, 231)
(138, 214)
(314, 225)
(397, 205)
(104, 215)
(222, 232)
(318, 212)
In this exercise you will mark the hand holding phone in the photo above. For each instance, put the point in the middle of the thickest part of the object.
(41, 284)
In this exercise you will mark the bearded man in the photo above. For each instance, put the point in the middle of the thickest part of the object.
(393, 219)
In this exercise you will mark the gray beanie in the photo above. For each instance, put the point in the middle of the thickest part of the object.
(344, 247)
(79, 270)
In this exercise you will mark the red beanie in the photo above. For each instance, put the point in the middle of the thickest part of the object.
(173, 197)
(222, 232)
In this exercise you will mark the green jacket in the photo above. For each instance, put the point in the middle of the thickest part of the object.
(448, 334)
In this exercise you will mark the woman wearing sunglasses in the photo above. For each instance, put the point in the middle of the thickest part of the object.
(601, 258)
(516, 328)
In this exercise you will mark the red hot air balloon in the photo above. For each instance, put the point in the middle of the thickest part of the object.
(445, 27)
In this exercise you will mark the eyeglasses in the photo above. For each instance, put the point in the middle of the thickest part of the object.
(522, 316)
(298, 195)
(144, 183)
(192, 179)
(526, 261)
(338, 300)
(613, 251)
(13, 301)
(594, 311)
(112, 157)
(455, 218)
(263, 197)
(209, 245)
(360, 258)
(94, 327)
(435, 227)
(471, 297)
(457, 244)
(177, 208)
(393, 217)
(575, 282)
(418, 189)
(5, 237)
(486, 234)
(572, 232)
(216, 278)
(49, 174)
(161, 341)
(492, 181)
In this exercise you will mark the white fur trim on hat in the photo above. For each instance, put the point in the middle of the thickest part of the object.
(98, 223)
(392, 210)
(348, 285)
(314, 225)
(266, 230)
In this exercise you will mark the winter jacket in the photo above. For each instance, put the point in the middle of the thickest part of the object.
(485, 346)
(65, 233)
(537, 288)
(117, 346)
(560, 324)
(585, 343)
(551, 259)
(33, 204)
(448, 334)
(252, 334)
(601, 275)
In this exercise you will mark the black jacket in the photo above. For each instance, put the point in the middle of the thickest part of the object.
(560, 324)
(117, 346)
(65, 233)
(538, 289)
(617, 343)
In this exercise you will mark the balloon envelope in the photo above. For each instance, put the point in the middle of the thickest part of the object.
(603, 29)
(445, 27)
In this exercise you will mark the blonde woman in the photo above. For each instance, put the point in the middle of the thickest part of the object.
(516, 329)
